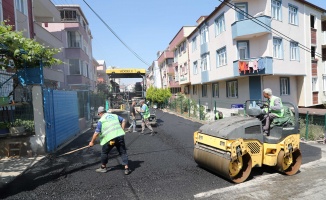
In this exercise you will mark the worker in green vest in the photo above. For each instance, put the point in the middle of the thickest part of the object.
(218, 115)
(273, 109)
(110, 129)
(144, 112)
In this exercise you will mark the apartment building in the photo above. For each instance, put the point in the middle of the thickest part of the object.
(179, 47)
(243, 47)
(169, 72)
(77, 47)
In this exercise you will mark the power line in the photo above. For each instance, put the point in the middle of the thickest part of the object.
(132, 51)
(230, 5)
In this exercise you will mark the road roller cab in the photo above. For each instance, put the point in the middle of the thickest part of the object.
(232, 146)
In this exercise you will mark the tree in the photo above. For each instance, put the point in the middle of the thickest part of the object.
(158, 95)
(23, 52)
(102, 88)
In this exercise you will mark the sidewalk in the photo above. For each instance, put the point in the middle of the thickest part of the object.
(12, 167)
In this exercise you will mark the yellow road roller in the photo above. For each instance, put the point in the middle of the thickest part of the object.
(232, 146)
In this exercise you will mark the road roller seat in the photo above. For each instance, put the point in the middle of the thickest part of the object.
(283, 127)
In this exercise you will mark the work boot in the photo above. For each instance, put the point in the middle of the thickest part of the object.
(127, 171)
(102, 170)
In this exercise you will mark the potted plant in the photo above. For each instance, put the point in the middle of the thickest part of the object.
(4, 129)
(17, 128)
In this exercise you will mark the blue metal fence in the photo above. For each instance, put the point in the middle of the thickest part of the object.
(61, 117)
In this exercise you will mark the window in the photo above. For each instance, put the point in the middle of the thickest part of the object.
(182, 47)
(312, 21)
(194, 44)
(175, 59)
(294, 51)
(313, 52)
(215, 90)
(293, 15)
(277, 48)
(324, 83)
(219, 25)
(1, 11)
(194, 89)
(21, 5)
(74, 39)
(75, 67)
(285, 85)
(314, 84)
(204, 35)
(241, 11)
(232, 89)
(221, 57)
(85, 69)
(69, 15)
(277, 10)
(185, 68)
(243, 49)
(204, 64)
(204, 90)
(195, 67)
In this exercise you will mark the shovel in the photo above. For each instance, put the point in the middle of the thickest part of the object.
(70, 152)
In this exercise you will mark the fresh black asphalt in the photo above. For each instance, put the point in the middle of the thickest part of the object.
(162, 168)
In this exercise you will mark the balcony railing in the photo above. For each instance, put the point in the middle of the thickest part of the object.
(241, 30)
(253, 66)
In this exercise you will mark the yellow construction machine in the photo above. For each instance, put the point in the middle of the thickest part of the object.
(232, 146)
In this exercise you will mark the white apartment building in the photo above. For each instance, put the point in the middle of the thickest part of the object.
(243, 47)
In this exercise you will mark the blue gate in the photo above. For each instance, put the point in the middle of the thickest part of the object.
(61, 117)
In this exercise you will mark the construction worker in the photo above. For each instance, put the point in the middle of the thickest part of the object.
(133, 117)
(110, 129)
(144, 112)
(218, 115)
(273, 109)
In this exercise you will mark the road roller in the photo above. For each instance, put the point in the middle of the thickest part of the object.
(232, 146)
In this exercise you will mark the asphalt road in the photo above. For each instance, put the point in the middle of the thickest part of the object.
(162, 168)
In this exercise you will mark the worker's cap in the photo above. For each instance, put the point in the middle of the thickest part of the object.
(100, 110)
(142, 101)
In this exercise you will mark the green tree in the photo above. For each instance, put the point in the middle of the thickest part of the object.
(150, 93)
(21, 51)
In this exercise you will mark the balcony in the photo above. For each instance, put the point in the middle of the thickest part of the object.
(203, 48)
(184, 79)
(170, 70)
(45, 11)
(240, 29)
(45, 37)
(253, 66)
(77, 80)
(53, 75)
(173, 84)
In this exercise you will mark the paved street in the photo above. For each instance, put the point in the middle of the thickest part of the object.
(163, 168)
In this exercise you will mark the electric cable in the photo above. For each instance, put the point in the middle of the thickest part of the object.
(111, 30)
(232, 6)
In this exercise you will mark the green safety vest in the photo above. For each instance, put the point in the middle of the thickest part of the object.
(275, 112)
(111, 128)
(217, 116)
(146, 112)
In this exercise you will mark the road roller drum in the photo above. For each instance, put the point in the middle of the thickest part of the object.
(231, 147)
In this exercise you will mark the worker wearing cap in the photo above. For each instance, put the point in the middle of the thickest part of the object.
(110, 129)
(273, 109)
(144, 112)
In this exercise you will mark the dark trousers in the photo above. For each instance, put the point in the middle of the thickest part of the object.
(268, 120)
(119, 143)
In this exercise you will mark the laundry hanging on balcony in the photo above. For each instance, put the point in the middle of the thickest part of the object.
(251, 66)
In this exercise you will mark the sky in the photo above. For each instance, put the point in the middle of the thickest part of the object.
(145, 26)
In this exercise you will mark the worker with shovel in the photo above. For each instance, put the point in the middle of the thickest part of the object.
(110, 129)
